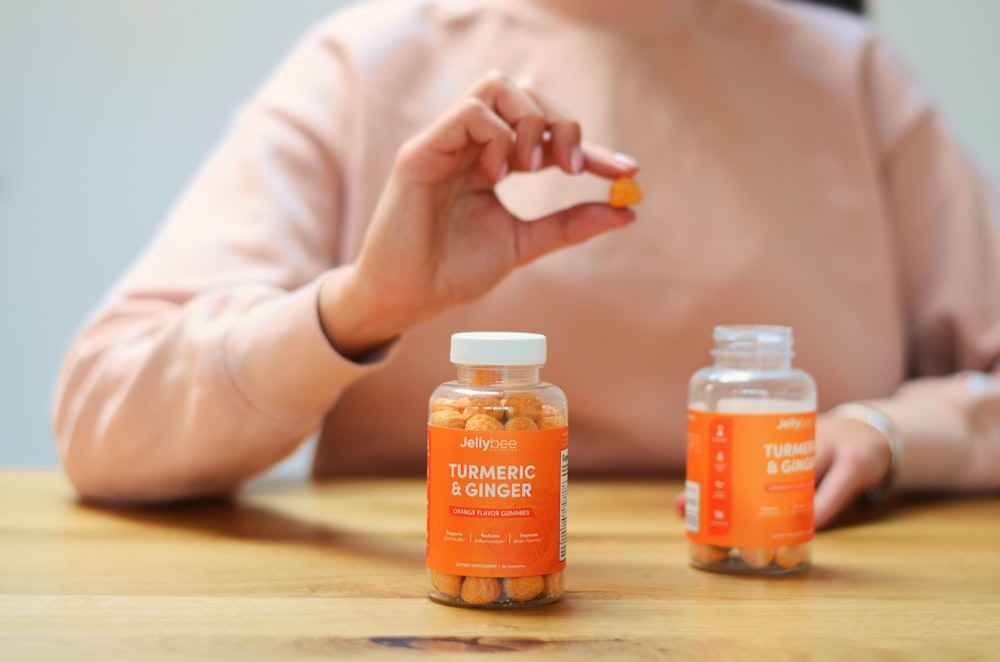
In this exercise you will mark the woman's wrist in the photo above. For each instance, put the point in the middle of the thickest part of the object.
(352, 325)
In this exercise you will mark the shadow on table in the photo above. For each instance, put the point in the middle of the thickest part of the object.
(898, 507)
(236, 517)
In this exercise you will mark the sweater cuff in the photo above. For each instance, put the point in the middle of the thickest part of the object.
(282, 363)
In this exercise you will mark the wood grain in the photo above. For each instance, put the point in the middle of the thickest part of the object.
(302, 571)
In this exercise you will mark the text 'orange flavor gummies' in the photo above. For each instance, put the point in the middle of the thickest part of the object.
(625, 192)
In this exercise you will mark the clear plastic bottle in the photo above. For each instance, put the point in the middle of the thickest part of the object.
(497, 458)
(751, 456)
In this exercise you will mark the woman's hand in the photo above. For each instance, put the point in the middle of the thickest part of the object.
(851, 458)
(440, 237)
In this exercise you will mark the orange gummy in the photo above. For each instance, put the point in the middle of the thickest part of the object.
(523, 589)
(447, 418)
(554, 584)
(551, 422)
(480, 590)
(625, 192)
(485, 404)
(791, 557)
(523, 405)
(448, 584)
(707, 554)
(520, 423)
(757, 557)
(442, 404)
(483, 422)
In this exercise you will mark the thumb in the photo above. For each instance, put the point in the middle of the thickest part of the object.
(566, 227)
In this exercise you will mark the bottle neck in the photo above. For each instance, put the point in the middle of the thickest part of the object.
(505, 375)
(753, 347)
(749, 360)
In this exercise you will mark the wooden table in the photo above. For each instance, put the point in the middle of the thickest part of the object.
(292, 570)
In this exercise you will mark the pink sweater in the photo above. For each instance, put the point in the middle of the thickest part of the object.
(793, 172)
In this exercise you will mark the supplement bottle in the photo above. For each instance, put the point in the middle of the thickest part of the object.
(751, 456)
(497, 457)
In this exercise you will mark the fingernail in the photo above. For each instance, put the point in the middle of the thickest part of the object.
(576, 160)
(536, 157)
(626, 160)
(504, 169)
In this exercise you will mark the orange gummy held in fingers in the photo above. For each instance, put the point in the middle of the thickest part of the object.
(625, 192)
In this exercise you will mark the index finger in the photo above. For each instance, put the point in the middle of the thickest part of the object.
(603, 162)
(835, 492)
(566, 150)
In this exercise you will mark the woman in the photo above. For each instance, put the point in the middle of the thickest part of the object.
(367, 203)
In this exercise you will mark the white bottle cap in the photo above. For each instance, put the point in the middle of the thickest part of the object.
(498, 348)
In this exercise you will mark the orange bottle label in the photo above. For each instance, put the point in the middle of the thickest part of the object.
(750, 478)
(496, 501)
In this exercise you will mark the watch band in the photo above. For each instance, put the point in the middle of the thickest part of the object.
(875, 419)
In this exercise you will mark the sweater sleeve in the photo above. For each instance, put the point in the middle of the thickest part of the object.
(206, 363)
(946, 220)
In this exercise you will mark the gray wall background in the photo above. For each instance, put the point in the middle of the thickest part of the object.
(108, 106)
